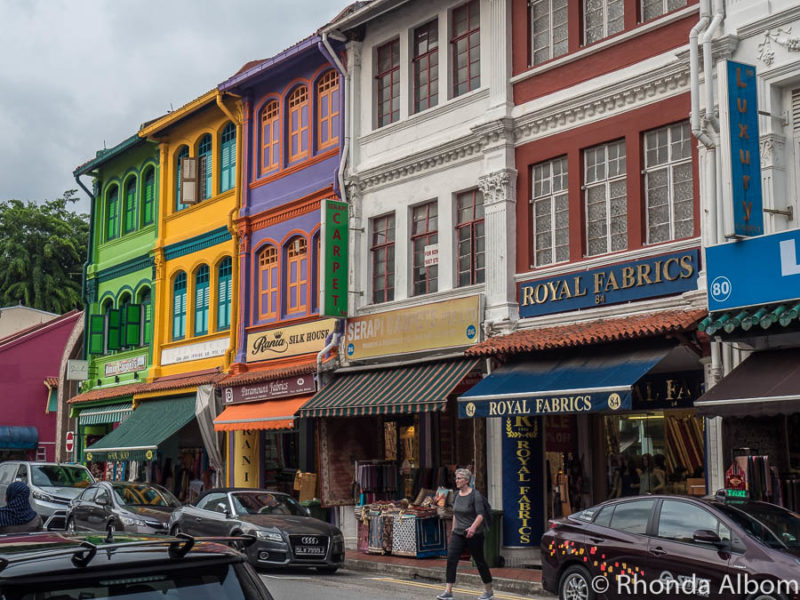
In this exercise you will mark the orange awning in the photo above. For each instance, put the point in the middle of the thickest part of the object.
(271, 414)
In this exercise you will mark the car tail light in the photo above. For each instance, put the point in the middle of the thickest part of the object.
(552, 524)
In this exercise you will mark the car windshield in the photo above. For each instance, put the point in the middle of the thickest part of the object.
(60, 476)
(265, 503)
(209, 582)
(144, 495)
(772, 525)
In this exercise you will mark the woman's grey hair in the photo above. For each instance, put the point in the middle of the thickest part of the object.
(465, 473)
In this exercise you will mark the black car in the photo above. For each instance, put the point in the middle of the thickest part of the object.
(122, 506)
(286, 534)
(63, 567)
(714, 547)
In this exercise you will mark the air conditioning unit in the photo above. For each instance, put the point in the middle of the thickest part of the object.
(189, 181)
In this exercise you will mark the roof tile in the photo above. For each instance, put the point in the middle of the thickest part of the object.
(590, 332)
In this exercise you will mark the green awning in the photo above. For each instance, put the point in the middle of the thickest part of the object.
(138, 437)
(400, 390)
(110, 413)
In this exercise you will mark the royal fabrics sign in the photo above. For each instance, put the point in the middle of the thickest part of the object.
(523, 500)
(636, 280)
(288, 341)
(270, 390)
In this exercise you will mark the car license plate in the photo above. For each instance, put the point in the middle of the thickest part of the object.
(309, 550)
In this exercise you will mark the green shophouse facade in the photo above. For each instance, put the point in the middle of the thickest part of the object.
(118, 288)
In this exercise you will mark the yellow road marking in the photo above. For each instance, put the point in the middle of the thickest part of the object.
(438, 586)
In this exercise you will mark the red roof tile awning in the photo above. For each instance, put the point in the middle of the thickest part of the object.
(276, 370)
(590, 332)
(163, 384)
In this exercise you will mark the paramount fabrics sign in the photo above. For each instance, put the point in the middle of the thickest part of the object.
(523, 497)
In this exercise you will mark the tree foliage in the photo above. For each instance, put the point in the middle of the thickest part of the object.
(42, 251)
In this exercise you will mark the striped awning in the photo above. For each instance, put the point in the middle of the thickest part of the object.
(110, 413)
(399, 390)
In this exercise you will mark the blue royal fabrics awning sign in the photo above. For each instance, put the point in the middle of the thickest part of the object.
(560, 403)
(635, 280)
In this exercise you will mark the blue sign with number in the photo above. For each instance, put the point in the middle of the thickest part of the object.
(523, 481)
(748, 217)
(635, 280)
(754, 271)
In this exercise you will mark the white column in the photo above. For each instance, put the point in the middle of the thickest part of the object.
(496, 55)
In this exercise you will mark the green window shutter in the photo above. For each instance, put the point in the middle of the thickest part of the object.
(114, 329)
(148, 323)
(97, 328)
(133, 324)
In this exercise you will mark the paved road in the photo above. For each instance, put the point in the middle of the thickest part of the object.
(347, 585)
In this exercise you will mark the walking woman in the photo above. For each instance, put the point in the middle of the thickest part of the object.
(17, 516)
(469, 511)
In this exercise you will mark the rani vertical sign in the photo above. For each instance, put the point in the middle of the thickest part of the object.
(333, 294)
(748, 218)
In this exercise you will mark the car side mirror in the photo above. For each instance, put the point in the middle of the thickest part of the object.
(102, 501)
(308, 511)
(706, 536)
(224, 509)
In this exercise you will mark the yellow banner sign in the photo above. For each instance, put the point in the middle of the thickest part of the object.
(447, 324)
(288, 341)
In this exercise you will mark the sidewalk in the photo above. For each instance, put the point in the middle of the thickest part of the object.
(524, 582)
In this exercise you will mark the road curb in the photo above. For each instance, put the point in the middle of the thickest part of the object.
(500, 584)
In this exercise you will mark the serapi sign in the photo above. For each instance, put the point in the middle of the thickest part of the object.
(288, 341)
(647, 278)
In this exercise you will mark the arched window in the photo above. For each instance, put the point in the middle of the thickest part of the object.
(148, 196)
(129, 223)
(328, 109)
(296, 275)
(146, 300)
(204, 167)
(201, 300)
(298, 124)
(112, 213)
(270, 137)
(224, 289)
(268, 284)
(182, 153)
(227, 158)
(179, 306)
(124, 303)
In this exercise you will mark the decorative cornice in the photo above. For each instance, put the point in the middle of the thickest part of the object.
(286, 212)
(781, 37)
(598, 104)
(494, 132)
(122, 269)
(197, 243)
(462, 149)
(774, 21)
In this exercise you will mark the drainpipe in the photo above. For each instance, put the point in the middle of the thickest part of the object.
(86, 267)
(694, 73)
(230, 353)
(330, 54)
(708, 65)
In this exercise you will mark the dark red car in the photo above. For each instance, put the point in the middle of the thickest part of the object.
(674, 546)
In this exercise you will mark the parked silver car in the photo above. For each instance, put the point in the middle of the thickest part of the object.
(52, 485)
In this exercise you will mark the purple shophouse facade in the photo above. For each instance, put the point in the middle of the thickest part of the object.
(292, 134)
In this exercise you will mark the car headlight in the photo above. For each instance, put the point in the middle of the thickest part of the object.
(130, 521)
(338, 537)
(272, 536)
(42, 496)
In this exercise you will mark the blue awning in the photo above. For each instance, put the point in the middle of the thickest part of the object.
(584, 383)
(18, 438)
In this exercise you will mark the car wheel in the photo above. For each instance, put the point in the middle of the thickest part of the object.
(575, 584)
(328, 570)
(71, 526)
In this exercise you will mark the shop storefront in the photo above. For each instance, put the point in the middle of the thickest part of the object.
(18, 442)
(387, 423)
(603, 410)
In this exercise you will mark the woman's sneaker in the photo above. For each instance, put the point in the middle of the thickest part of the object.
(486, 596)
(445, 596)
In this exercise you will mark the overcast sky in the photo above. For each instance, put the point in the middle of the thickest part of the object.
(78, 75)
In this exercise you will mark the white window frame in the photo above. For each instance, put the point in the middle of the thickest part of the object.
(669, 165)
(550, 196)
(606, 10)
(606, 182)
(551, 7)
(665, 8)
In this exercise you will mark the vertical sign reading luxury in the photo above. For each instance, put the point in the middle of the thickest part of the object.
(523, 475)
(748, 218)
(335, 258)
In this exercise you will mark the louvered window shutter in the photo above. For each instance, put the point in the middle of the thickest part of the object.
(133, 324)
(97, 329)
(114, 329)
(796, 110)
